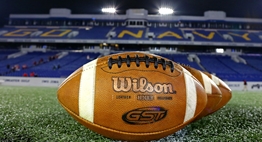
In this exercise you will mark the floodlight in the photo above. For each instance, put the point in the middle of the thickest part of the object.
(166, 11)
(109, 10)
(220, 50)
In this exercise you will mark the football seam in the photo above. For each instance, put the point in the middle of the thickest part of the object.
(68, 79)
(224, 87)
(216, 94)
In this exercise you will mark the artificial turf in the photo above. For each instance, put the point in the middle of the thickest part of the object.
(34, 114)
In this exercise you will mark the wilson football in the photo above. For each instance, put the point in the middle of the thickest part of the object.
(132, 96)
(214, 94)
(224, 88)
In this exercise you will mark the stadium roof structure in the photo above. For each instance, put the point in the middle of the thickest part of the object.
(138, 14)
(136, 27)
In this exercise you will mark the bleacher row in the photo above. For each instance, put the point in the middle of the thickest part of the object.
(51, 64)
(127, 33)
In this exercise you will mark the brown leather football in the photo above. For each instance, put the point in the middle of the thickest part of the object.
(132, 96)
(214, 94)
(224, 88)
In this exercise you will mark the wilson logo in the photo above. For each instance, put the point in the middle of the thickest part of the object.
(144, 115)
(126, 84)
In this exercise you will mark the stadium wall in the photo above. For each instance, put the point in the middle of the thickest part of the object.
(54, 82)
(30, 81)
(251, 86)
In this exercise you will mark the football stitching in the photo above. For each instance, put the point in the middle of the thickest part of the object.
(138, 59)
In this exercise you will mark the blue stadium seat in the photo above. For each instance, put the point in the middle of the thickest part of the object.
(241, 36)
(253, 60)
(182, 59)
(93, 33)
(213, 65)
(208, 36)
(225, 68)
(126, 33)
(4, 54)
(168, 34)
(238, 67)
(130, 33)
(67, 65)
(58, 33)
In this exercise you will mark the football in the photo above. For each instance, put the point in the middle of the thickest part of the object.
(225, 90)
(132, 96)
(214, 94)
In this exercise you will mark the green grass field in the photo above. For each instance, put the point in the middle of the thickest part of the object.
(34, 114)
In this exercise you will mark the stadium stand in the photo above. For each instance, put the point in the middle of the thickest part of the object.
(182, 59)
(83, 59)
(4, 54)
(130, 33)
(168, 34)
(227, 69)
(93, 33)
(212, 64)
(187, 40)
(127, 33)
(241, 36)
(55, 67)
(254, 61)
(238, 67)
(205, 36)
(221, 65)
(26, 61)
(58, 33)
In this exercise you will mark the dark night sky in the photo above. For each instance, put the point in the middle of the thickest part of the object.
(233, 8)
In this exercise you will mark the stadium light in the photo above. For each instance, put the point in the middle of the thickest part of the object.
(219, 50)
(109, 10)
(165, 11)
